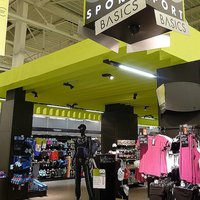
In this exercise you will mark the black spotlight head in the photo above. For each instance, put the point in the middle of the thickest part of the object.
(146, 107)
(35, 94)
(69, 85)
(135, 96)
(72, 105)
(110, 76)
(134, 28)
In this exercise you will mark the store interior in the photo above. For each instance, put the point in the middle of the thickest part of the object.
(142, 132)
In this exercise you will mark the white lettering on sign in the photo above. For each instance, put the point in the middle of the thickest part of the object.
(171, 23)
(170, 7)
(108, 6)
(116, 16)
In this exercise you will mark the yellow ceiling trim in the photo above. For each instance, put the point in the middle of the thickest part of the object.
(68, 113)
(185, 47)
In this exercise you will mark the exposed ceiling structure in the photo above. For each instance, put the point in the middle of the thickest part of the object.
(52, 25)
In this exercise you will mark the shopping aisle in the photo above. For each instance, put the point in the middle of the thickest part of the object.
(64, 190)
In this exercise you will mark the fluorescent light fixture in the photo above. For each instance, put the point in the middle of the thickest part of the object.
(62, 107)
(93, 121)
(94, 111)
(39, 116)
(137, 71)
(60, 118)
(2, 99)
(73, 119)
(129, 69)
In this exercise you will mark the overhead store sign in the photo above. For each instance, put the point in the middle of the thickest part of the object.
(170, 14)
(118, 15)
(133, 21)
(3, 24)
(171, 23)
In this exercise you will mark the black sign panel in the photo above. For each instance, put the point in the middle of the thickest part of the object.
(95, 9)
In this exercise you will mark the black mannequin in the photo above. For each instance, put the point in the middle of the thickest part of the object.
(81, 158)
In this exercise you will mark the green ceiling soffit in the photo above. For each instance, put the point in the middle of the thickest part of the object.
(86, 53)
(67, 113)
(54, 65)
(185, 47)
(80, 114)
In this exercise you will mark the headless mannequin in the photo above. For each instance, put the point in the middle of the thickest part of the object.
(81, 158)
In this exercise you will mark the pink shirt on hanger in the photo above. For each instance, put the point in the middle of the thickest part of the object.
(154, 160)
(186, 161)
(143, 149)
(196, 167)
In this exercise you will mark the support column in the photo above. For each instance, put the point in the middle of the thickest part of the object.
(187, 72)
(118, 123)
(16, 119)
(20, 34)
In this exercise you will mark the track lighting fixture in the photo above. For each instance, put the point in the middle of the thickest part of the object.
(145, 108)
(69, 85)
(110, 76)
(129, 69)
(135, 96)
(149, 117)
(35, 94)
(72, 105)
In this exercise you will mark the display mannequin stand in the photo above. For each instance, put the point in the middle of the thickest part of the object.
(81, 159)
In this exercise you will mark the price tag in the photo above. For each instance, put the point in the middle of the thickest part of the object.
(153, 142)
(99, 178)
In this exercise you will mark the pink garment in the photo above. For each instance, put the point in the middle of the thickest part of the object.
(196, 167)
(154, 160)
(143, 149)
(186, 161)
(189, 162)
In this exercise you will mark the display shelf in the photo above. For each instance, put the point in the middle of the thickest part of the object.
(32, 194)
(55, 179)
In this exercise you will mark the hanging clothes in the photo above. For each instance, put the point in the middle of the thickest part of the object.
(153, 160)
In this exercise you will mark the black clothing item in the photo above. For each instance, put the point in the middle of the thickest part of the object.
(175, 177)
(185, 194)
(83, 147)
(88, 179)
(161, 191)
(175, 147)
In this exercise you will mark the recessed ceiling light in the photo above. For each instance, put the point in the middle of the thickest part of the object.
(110, 76)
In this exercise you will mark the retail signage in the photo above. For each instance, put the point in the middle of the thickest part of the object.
(133, 21)
(171, 23)
(126, 142)
(118, 15)
(3, 25)
(99, 178)
(173, 8)
(95, 9)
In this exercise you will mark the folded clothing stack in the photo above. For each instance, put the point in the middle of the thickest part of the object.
(3, 175)
(20, 179)
(36, 185)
